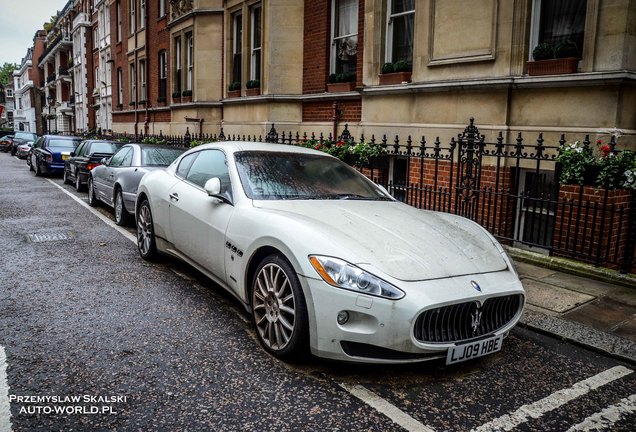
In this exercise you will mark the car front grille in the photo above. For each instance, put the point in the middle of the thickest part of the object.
(465, 321)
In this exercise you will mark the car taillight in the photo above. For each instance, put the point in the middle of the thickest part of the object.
(90, 166)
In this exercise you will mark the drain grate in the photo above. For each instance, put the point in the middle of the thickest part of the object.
(50, 237)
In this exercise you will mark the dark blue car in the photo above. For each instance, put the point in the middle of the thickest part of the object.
(49, 153)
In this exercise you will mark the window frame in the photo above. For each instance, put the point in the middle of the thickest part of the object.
(162, 8)
(237, 47)
(256, 53)
(142, 14)
(189, 79)
(178, 72)
(163, 73)
(133, 83)
(120, 86)
(388, 49)
(118, 17)
(142, 81)
(132, 17)
(334, 46)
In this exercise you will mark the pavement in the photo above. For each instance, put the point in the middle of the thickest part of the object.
(591, 307)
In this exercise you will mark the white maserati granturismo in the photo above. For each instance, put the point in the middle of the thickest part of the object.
(325, 260)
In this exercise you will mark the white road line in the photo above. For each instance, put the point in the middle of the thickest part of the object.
(384, 407)
(5, 406)
(104, 219)
(554, 401)
(606, 418)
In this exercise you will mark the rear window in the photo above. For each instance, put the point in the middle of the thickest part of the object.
(160, 156)
(104, 147)
(63, 143)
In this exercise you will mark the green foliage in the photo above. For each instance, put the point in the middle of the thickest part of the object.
(566, 49)
(153, 140)
(176, 94)
(543, 51)
(186, 93)
(6, 73)
(387, 68)
(357, 154)
(251, 84)
(236, 85)
(614, 168)
(402, 66)
(574, 159)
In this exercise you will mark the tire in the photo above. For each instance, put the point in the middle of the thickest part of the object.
(30, 164)
(279, 309)
(65, 177)
(78, 182)
(121, 215)
(146, 242)
(38, 171)
(92, 198)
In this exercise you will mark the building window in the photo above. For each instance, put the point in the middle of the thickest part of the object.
(142, 14)
(163, 74)
(120, 87)
(344, 43)
(133, 84)
(558, 21)
(237, 46)
(177, 63)
(95, 38)
(118, 12)
(399, 43)
(189, 61)
(256, 43)
(162, 8)
(96, 78)
(142, 80)
(133, 16)
(9, 92)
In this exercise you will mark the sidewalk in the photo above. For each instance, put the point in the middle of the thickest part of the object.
(597, 314)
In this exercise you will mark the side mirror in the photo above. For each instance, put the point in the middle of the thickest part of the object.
(104, 161)
(72, 154)
(213, 188)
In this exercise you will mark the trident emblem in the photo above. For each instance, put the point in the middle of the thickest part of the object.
(475, 319)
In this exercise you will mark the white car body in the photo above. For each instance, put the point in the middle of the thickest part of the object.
(444, 264)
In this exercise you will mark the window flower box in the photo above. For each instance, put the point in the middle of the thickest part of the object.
(341, 87)
(558, 66)
(395, 78)
(233, 94)
(253, 91)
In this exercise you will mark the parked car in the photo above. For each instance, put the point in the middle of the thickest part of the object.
(24, 149)
(49, 153)
(21, 137)
(84, 158)
(6, 142)
(325, 259)
(115, 182)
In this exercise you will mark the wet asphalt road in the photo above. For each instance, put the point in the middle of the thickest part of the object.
(166, 350)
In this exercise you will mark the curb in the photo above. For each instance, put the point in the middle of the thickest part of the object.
(573, 267)
(582, 335)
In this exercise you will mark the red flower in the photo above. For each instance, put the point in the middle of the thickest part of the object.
(317, 147)
(605, 150)
(340, 143)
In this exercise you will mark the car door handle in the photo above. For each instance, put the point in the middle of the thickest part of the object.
(174, 196)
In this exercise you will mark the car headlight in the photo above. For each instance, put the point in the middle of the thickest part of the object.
(341, 274)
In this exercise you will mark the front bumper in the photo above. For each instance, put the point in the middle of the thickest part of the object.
(381, 330)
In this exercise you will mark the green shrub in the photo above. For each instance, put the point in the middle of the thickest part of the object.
(543, 51)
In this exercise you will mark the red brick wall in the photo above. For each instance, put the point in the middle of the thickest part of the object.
(349, 111)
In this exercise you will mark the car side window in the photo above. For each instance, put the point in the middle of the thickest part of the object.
(118, 158)
(209, 164)
(185, 164)
(80, 149)
(128, 158)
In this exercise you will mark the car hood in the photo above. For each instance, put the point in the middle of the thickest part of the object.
(403, 242)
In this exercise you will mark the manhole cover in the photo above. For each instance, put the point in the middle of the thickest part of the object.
(50, 237)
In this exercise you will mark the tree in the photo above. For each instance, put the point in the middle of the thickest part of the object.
(6, 72)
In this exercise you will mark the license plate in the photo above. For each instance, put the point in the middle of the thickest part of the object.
(473, 350)
(64, 157)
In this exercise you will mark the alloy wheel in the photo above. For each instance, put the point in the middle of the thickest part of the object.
(145, 232)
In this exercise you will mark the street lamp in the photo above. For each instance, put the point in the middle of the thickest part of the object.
(49, 99)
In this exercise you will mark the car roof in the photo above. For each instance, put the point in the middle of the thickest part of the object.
(64, 137)
(237, 146)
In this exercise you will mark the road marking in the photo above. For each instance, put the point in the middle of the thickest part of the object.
(554, 401)
(104, 219)
(384, 407)
(5, 406)
(606, 418)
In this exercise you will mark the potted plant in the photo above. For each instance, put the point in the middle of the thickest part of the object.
(234, 90)
(396, 73)
(186, 96)
(176, 96)
(161, 100)
(253, 88)
(550, 60)
(342, 82)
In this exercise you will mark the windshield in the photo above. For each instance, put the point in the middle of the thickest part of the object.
(63, 143)
(104, 147)
(274, 176)
(25, 135)
(160, 156)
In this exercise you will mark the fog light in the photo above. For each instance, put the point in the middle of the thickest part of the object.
(343, 317)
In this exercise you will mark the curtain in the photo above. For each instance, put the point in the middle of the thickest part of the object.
(563, 20)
